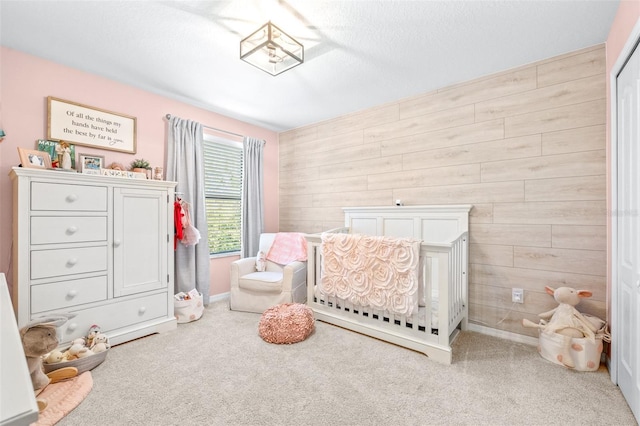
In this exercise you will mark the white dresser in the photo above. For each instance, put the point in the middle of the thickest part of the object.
(96, 246)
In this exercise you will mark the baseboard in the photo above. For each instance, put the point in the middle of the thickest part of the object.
(507, 335)
(533, 341)
(218, 297)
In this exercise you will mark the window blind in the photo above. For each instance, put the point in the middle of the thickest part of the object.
(223, 192)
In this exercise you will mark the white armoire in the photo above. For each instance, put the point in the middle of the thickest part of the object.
(97, 247)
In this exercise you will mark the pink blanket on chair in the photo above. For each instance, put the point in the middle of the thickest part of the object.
(288, 247)
(373, 271)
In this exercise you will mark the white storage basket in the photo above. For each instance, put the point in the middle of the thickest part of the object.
(188, 310)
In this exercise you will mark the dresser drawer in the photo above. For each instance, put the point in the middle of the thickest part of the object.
(54, 263)
(61, 197)
(68, 229)
(114, 316)
(64, 294)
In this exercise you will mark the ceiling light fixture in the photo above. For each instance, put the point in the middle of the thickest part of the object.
(272, 50)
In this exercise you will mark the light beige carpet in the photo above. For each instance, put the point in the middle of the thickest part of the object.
(218, 371)
(63, 397)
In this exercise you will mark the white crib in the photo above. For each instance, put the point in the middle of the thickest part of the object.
(443, 300)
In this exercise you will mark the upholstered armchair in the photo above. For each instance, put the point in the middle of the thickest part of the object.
(255, 291)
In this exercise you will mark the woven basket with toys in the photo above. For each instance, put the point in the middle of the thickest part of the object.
(85, 353)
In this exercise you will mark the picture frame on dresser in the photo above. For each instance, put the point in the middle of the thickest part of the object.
(91, 164)
(32, 158)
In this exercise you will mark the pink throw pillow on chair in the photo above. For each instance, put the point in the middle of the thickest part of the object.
(288, 247)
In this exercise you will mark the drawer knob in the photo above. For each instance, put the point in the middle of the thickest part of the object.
(142, 310)
(72, 197)
(116, 243)
(72, 230)
(72, 293)
(72, 261)
(72, 326)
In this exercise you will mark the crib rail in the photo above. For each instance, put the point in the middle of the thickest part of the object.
(443, 284)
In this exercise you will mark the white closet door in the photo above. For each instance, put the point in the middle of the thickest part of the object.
(627, 217)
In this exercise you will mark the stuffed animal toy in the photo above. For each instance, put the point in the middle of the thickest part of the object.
(100, 347)
(565, 320)
(84, 352)
(100, 343)
(116, 166)
(80, 340)
(93, 330)
(74, 351)
(54, 357)
(37, 340)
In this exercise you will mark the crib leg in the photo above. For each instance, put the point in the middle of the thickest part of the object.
(464, 324)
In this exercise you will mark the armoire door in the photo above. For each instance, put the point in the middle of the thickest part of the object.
(627, 217)
(140, 240)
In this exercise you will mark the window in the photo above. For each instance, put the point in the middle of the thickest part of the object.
(223, 193)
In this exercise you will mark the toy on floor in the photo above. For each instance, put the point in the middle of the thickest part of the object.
(99, 343)
(77, 351)
(82, 347)
(565, 320)
(37, 340)
(93, 330)
(54, 356)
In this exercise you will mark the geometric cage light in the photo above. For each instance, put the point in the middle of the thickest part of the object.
(272, 50)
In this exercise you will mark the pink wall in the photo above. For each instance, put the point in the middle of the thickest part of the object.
(626, 18)
(27, 81)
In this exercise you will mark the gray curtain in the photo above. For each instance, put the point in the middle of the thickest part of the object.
(185, 165)
(252, 196)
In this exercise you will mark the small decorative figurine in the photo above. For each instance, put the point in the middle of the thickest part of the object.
(158, 174)
(64, 155)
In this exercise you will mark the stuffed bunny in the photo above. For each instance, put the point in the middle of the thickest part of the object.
(38, 340)
(565, 320)
(40, 337)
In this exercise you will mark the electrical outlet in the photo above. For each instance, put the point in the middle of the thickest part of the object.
(517, 295)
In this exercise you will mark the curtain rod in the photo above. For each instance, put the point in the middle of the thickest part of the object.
(216, 129)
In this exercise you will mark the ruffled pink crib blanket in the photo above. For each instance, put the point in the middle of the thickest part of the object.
(371, 271)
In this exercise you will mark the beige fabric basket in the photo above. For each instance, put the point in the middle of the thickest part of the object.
(584, 352)
(82, 364)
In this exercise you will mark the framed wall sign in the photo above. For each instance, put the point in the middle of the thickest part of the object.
(89, 126)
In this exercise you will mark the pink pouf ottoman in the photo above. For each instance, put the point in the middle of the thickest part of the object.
(286, 323)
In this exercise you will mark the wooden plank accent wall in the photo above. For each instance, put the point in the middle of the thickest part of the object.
(526, 147)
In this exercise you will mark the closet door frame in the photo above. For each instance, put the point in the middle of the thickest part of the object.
(625, 54)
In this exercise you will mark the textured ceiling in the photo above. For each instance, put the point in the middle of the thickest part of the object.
(358, 54)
